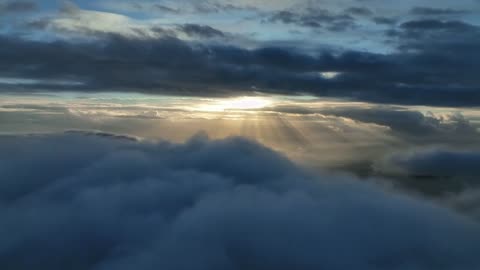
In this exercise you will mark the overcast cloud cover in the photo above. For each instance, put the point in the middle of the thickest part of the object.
(407, 54)
(108, 202)
(240, 134)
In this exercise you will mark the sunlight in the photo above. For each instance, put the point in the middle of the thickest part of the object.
(245, 103)
(329, 74)
(241, 103)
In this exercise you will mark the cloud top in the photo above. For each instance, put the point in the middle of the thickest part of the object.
(103, 202)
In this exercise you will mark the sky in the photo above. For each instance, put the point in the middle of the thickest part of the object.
(240, 134)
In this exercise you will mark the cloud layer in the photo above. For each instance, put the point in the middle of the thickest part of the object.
(119, 63)
(421, 55)
(459, 167)
(109, 202)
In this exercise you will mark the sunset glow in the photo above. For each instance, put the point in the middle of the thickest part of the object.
(239, 134)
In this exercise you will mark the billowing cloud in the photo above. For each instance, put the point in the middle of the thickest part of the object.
(437, 171)
(347, 73)
(107, 202)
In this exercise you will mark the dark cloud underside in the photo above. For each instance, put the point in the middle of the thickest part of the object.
(432, 54)
(170, 65)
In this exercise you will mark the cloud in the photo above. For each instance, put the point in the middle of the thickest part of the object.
(364, 134)
(410, 125)
(436, 34)
(384, 20)
(202, 31)
(165, 8)
(408, 122)
(437, 25)
(467, 202)
(101, 202)
(317, 18)
(74, 20)
(448, 173)
(437, 163)
(359, 11)
(433, 61)
(428, 77)
(17, 7)
(219, 6)
(428, 11)
(171, 7)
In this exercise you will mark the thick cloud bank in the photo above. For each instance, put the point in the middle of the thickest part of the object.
(117, 63)
(438, 162)
(84, 201)
(452, 168)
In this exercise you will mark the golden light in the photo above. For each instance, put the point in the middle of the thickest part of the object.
(329, 74)
(241, 103)
(245, 103)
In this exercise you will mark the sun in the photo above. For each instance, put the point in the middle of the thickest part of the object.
(239, 103)
(245, 103)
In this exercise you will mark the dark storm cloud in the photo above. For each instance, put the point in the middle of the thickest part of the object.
(108, 203)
